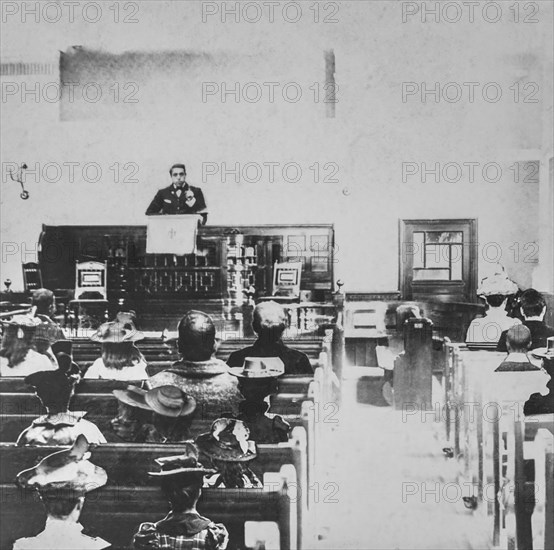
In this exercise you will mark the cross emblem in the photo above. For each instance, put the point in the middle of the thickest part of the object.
(172, 233)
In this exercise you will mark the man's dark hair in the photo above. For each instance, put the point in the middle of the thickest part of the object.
(531, 302)
(495, 300)
(60, 506)
(182, 490)
(196, 336)
(518, 338)
(177, 166)
(43, 299)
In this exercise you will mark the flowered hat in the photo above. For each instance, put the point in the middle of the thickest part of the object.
(228, 440)
(497, 284)
(67, 469)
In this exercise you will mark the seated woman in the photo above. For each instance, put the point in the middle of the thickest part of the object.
(48, 332)
(181, 479)
(132, 416)
(121, 359)
(228, 447)
(18, 354)
(495, 290)
(257, 380)
(59, 426)
(172, 415)
(205, 377)
(62, 480)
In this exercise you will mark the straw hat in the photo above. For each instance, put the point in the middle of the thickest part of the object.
(132, 396)
(186, 463)
(547, 352)
(170, 401)
(259, 367)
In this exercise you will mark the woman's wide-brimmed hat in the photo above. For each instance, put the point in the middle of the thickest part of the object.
(67, 469)
(259, 367)
(186, 463)
(116, 332)
(26, 321)
(497, 284)
(132, 396)
(228, 441)
(170, 401)
(547, 352)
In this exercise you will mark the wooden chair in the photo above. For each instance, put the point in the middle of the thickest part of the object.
(286, 283)
(32, 276)
(91, 294)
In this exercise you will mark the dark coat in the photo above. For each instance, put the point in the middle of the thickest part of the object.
(166, 201)
(295, 361)
(540, 331)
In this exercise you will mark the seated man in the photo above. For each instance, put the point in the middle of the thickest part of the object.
(269, 323)
(181, 478)
(533, 308)
(495, 291)
(179, 197)
(538, 403)
(518, 341)
(48, 332)
(205, 378)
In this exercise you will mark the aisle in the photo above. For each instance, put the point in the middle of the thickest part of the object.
(395, 488)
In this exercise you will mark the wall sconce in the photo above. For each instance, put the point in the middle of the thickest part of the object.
(19, 178)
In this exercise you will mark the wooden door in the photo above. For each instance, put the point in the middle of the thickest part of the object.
(438, 260)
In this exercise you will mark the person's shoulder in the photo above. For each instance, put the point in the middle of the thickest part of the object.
(236, 359)
(94, 370)
(41, 360)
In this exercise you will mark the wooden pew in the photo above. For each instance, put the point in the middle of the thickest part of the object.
(495, 446)
(157, 351)
(127, 466)
(290, 383)
(114, 513)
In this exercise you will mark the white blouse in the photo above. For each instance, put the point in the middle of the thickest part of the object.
(132, 372)
(33, 362)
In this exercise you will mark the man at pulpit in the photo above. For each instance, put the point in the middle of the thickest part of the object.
(179, 197)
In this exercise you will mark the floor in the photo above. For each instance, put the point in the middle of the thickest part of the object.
(385, 483)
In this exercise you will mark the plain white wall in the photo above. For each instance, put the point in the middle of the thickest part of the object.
(373, 134)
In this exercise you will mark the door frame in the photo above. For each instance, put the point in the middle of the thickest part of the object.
(404, 281)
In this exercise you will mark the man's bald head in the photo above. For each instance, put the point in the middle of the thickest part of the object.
(269, 321)
(518, 339)
(196, 336)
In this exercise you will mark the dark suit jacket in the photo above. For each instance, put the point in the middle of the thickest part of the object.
(295, 361)
(540, 331)
(166, 201)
